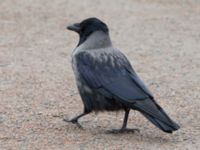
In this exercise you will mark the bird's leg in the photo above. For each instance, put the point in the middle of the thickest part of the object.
(125, 119)
(75, 119)
(124, 129)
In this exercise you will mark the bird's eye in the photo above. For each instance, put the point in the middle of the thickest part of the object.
(82, 30)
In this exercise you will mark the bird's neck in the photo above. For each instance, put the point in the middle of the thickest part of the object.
(96, 40)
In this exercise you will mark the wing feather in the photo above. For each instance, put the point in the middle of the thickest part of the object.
(111, 75)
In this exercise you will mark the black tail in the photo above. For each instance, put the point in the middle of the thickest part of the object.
(154, 113)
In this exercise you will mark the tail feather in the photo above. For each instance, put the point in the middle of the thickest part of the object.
(154, 113)
(161, 125)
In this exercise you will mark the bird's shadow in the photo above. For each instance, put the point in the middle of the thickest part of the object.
(138, 136)
(143, 136)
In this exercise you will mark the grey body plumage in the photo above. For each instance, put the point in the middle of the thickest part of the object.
(107, 81)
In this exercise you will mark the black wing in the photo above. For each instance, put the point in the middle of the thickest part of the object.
(112, 76)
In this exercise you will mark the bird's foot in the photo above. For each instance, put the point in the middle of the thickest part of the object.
(123, 130)
(74, 121)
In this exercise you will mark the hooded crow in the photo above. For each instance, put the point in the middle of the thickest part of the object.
(106, 80)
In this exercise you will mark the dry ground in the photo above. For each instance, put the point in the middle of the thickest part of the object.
(37, 89)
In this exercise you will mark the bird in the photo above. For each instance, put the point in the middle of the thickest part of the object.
(106, 80)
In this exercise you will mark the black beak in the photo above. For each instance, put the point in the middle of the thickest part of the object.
(75, 27)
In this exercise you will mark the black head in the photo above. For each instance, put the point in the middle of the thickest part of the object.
(87, 27)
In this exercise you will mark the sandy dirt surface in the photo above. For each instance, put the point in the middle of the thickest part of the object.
(37, 88)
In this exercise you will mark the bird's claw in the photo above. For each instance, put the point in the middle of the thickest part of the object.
(74, 121)
(123, 130)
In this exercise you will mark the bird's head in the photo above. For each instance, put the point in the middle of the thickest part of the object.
(87, 27)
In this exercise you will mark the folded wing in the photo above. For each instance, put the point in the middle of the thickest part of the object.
(112, 74)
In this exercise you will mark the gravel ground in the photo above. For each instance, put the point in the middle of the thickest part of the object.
(161, 39)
